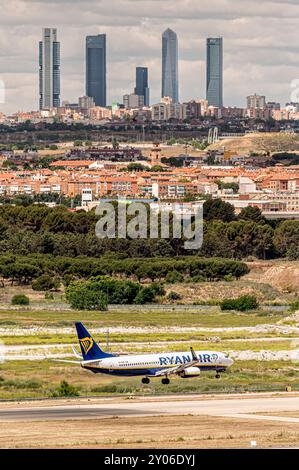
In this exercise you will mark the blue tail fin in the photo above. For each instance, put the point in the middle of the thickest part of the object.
(89, 348)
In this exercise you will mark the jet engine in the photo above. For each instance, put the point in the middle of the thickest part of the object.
(190, 372)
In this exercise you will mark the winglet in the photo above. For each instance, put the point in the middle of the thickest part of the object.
(194, 357)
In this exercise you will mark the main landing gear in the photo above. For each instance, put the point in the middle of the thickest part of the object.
(217, 375)
(165, 381)
(145, 380)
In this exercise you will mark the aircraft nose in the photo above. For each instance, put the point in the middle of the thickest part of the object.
(229, 361)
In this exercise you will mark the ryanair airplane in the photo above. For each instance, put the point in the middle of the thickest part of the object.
(183, 364)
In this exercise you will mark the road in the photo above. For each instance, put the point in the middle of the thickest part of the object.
(285, 407)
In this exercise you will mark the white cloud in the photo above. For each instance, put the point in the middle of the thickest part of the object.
(260, 45)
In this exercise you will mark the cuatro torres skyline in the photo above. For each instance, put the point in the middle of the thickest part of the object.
(261, 54)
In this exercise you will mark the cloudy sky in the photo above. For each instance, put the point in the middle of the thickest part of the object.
(261, 45)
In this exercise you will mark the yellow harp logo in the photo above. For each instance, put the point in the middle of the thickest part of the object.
(86, 344)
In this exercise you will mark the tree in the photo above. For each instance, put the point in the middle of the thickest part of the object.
(264, 247)
(174, 277)
(82, 296)
(96, 293)
(45, 282)
(23, 273)
(286, 236)
(223, 185)
(218, 209)
(135, 167)
(252, 213)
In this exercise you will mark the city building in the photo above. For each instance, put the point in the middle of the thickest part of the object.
(273, 106)
(99, 113)
(215, 72)
(133, 101)
(141, 88)
(86, 102)
(170, 75)
(193, 109)
(96, 68)
(256, 102)
(168, 109)
(49, 70)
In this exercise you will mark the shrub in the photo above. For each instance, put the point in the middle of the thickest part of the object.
(228, 278)
(146, 295)
(96, 293)
(45, 282)
(173, 277)
(173, 296)
(81, 296)
(157, 288)
(198, 278)
(243, 303)
(22, 384)
(20, 299)
(49, 296)
(294, 306)
(65, 390)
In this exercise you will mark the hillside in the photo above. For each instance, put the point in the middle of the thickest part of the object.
(260, 143)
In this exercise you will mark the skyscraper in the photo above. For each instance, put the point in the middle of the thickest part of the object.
(96, 68)
(170, 79)
(49, 70)
(215, 72)
(142, 88)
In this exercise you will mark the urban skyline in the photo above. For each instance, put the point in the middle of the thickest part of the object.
(260, 46)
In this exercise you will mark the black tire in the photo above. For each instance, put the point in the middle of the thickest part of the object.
(217, 376)
(145, 380)
(165, 381)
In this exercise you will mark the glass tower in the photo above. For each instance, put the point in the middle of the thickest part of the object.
(142, 88)
(170, 79)
(96, 68)
(215, 72)
(49, 70)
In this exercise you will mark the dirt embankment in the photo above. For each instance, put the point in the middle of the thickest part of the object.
(282, 275)
(259, 143)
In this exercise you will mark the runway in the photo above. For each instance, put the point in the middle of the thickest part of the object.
(284, 407)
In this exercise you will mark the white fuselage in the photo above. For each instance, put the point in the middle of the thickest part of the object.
(151, 364)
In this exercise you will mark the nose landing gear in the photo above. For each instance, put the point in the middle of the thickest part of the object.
(217, 375)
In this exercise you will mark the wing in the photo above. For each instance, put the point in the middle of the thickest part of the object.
(181, 367)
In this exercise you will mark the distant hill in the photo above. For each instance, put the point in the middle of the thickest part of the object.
(259, 143)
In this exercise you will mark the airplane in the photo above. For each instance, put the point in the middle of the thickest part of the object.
(183, 364)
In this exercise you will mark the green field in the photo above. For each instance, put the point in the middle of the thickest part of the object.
(140, 317)
(38, 379)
